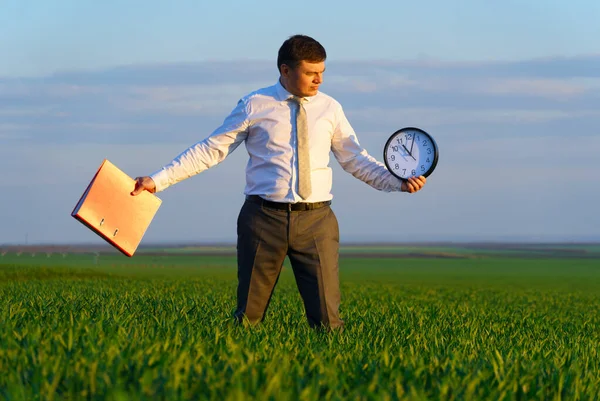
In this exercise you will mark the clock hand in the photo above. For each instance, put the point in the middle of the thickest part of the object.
(411, 145)
(408, 151)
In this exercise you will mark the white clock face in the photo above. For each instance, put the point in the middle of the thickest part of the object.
(410, 152)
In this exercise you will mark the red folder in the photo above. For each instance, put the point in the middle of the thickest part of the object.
(108, 208)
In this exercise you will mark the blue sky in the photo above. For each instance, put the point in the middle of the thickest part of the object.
(40, 37)
(510, 90)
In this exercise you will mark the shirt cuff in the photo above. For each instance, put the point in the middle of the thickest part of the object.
(161, 179)
(396, 183)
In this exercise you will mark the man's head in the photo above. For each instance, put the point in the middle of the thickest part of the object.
(301, 63)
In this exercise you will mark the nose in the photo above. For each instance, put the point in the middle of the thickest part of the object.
(318, 79)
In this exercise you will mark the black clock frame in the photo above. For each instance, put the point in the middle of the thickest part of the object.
(435, 151)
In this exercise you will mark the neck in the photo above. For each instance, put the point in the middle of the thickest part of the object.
(284, 83)
(286, 86)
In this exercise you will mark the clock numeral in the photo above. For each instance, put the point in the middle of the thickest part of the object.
(393, 157)
(395, 148)
(424, 142)
(428, 151)
(414, 172)
(399, 140)
(396, 166)
(403, 171)
(422, 167)
(428, 161)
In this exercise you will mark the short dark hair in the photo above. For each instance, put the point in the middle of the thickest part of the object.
(300, 47)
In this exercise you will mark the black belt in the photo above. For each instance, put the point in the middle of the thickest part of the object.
(286, 206)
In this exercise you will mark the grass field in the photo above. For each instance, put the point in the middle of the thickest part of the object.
(154, 327)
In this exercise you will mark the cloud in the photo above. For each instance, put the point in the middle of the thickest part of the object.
(563, 88)
(146, 103)
(518, 144)
(445, 116)
(178, 100)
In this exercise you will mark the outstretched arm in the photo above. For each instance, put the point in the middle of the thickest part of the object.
(355, 160)
(201, 156)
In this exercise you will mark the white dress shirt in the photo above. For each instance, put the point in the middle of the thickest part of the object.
(265, 120)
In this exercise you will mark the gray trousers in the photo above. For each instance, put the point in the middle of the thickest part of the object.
(310, 239)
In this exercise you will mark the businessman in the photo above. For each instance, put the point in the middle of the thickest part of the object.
(289, 130)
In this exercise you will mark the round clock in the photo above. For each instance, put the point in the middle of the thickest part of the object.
(410, 152)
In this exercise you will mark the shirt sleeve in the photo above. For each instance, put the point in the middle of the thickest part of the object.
(355, 160)
(208, 152)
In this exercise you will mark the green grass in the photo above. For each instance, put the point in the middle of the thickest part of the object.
(148, 328)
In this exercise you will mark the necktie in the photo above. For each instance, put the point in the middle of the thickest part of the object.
(304, 185)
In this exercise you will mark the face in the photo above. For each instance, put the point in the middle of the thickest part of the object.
(304, 80)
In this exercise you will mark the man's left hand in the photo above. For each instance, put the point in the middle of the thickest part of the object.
(413, 184)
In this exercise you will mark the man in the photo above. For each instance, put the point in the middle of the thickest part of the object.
(288, 129)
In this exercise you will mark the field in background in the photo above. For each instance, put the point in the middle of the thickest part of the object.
(498, 321)
(427, 250)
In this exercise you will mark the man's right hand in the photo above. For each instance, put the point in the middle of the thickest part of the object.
(143, 183)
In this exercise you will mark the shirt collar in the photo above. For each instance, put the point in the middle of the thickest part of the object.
(282, 94)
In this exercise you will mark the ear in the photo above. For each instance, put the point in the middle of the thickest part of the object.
(284, 70)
